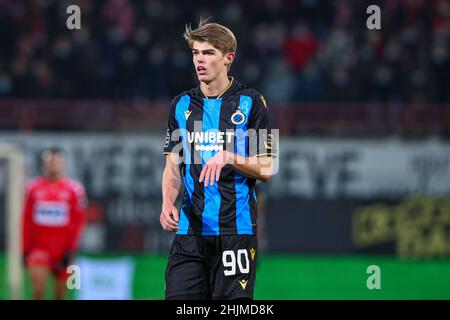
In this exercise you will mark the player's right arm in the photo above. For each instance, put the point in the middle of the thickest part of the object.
(171, 180)
(27, 222)
(171, 184)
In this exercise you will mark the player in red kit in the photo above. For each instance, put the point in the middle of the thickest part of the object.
(53, 220)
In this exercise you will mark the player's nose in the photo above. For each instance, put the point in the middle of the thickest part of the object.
(200, 59)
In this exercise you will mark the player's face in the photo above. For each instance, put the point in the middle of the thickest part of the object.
(54, 164)
(209, 62)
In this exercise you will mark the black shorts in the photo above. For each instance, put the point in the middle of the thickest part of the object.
(211, 267)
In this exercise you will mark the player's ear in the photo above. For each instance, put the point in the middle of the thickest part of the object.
(229, 58)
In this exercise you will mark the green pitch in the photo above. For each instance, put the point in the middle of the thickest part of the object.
(307, 277)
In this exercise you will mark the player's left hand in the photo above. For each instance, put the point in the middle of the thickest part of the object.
(211, 170)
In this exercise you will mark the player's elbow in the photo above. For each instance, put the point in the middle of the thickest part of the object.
(264, 178)
(266, 174)
(266, 171)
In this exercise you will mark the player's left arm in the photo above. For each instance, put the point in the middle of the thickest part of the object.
(78, 204)
(259, 163)
(78, 217)
(256, 167)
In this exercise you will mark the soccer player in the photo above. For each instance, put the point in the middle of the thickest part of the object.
(53, 220)
(219, 142)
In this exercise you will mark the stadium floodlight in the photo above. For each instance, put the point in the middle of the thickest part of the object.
(14, 189)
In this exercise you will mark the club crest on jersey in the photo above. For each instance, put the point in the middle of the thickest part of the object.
(238, 117)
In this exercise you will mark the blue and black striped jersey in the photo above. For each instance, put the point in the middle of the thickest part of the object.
(198, 128)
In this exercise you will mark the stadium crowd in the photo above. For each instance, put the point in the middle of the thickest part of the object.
(291, 50)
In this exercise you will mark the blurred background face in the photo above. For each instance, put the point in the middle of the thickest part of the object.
(209, 62)
(53, 164)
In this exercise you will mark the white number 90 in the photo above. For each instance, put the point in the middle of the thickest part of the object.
(229, 262)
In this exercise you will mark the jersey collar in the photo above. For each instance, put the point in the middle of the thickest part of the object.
(229, 90)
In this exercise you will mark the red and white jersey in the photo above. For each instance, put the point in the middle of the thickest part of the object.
(54, 214)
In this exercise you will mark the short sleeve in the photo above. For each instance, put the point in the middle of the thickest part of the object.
(262, 138)
(172, 134)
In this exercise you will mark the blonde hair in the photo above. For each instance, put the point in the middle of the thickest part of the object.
(216, 34)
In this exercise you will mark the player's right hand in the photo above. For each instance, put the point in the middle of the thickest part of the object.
(169, 218)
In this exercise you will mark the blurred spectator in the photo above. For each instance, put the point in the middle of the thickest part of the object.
(306, 50)
(279, 82)
(300, 46)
